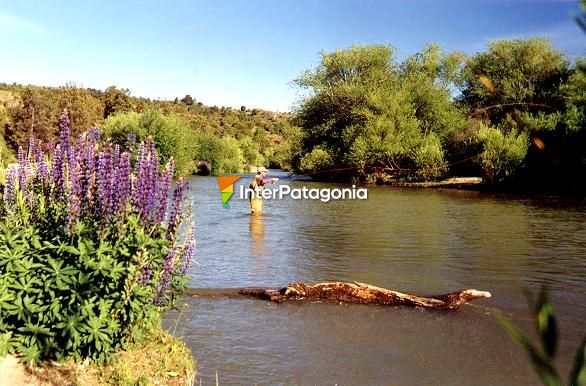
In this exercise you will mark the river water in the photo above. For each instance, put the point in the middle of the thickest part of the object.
(411, 240)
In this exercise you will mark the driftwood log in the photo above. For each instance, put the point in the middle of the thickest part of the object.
(362, 293)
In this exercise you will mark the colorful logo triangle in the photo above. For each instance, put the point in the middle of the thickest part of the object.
(226, 185)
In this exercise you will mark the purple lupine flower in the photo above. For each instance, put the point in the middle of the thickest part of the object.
(80, 161)
(176, 205)
(116, 155)
(163, 191)
(105, 181)
(64, 121)
(50, 144)
(151, 183)
(30, 152)
(89, 190)
(166, 276)
(57, 167)
(130, 141)
(145, 275)
(22, 180)
(188, 251)
(65, 139)
(138, 183)
(123, 181)
(9, 187)
(94, 135)
(74, 207)
(42, 168)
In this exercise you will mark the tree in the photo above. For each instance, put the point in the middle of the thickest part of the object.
(34, 117)
(187, 100)
(338, 87)
(365, 110)
(85, 111)
(522, 75)
(116, 101)
(170, 135)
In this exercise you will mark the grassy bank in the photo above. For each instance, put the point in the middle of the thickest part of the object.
(157, 358)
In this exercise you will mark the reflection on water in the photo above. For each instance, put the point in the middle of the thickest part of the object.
(421, 241)
(257, 232)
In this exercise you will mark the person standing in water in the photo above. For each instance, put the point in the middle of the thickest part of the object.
(258, 184)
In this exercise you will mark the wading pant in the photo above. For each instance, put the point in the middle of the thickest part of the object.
(256, 206)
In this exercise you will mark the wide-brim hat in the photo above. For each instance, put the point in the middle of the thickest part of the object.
(261, 169)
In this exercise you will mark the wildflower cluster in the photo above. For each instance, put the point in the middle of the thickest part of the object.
(89, 245)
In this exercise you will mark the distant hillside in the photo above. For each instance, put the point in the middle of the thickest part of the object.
(33, 111)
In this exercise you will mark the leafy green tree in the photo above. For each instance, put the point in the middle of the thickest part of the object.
(430, 158)
(171, 135)
(315, 161)
(366, 110)
(35, 116)
(250, 152)
(337, 87)
(429, 78)
(187, 100)
(224, 155)
(287, 153)
(85, 110)
(518, 74)
(116, 101)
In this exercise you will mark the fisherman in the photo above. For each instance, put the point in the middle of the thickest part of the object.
(258, 184)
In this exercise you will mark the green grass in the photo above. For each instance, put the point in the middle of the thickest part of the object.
(155, 358)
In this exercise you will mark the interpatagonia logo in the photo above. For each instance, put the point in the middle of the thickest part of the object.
(226, 185)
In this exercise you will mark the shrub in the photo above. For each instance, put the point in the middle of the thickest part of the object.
(169, 134)
(318, 159)
(231, 157)
(223, 154)
(429, 158)
(88, 248)
(250, 152)
(503, 154)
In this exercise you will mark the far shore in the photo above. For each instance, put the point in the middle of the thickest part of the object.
(465, 183)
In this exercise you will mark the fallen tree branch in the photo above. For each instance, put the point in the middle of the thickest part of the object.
(362, 293)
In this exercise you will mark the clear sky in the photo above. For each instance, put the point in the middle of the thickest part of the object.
(246, 52)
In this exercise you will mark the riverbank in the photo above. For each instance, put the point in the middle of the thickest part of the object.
(471, 183)
(157, 359)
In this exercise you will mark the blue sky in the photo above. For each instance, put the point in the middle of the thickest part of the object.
(246, 52)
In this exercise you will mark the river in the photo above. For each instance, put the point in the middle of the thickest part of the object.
(412, 240)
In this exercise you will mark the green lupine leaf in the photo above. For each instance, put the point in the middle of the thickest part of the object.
(72, 325)
(31, 354)
(544, 367)
(546, 323)
(5, 344)
(578, 374)
(36, 243)
(36, 330)
(5, 298)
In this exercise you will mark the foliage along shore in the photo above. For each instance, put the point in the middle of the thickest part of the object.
(157, 358)
(94, 245)
(514, 114)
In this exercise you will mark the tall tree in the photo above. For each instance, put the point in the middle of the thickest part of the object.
(517, 74)
(337, 88)
(35, 116)
(116, 101)
(85, 110)
(366, 110)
